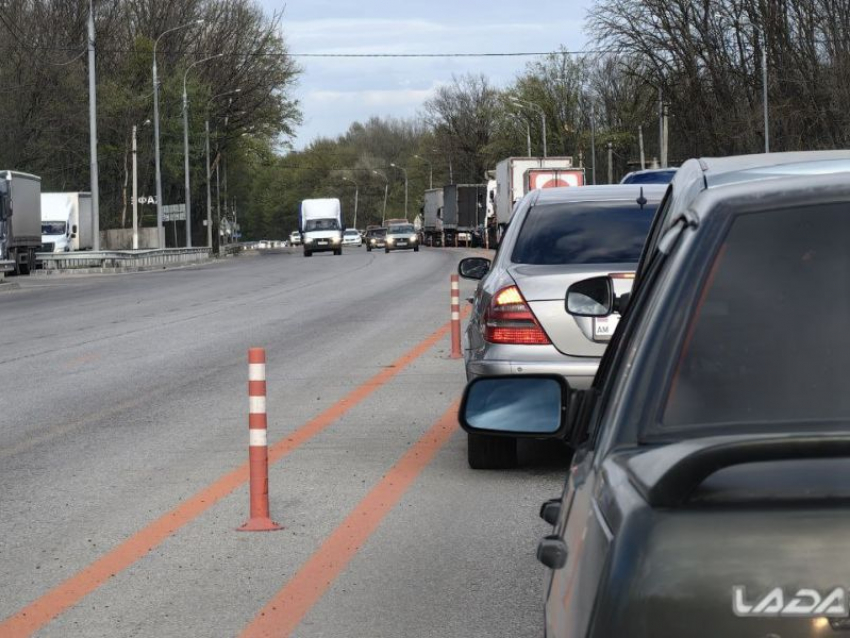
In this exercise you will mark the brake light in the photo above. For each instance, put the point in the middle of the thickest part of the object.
(509, 320)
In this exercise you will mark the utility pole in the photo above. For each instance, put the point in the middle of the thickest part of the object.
(209, 186)
(95, 191)
(664, 136)
(661, 157)
(593, 139)
(642, 155)
(610, 163)
(135, 194)
(764, 93)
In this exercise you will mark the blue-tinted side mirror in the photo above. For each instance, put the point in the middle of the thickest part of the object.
(533, 406)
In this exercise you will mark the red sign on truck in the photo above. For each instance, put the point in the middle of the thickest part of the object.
(553, 177)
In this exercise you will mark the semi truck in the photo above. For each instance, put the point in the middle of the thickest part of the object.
(432, 217)
(516, 176)
(66, 222)
(320, 225)
(20, 221)
(464, 212)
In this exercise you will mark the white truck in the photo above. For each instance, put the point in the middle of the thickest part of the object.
(320, 224)
(66, 222)
(20, 221)
(516, 176)
(432, 217)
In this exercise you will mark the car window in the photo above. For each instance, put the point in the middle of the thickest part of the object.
(654, 177)
(583, 233)
(767, 344)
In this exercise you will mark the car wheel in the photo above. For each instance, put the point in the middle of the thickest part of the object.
(308, 253)
(491, 452)
(416, 249)
(337, 251)
(368, 249)
(386, 250)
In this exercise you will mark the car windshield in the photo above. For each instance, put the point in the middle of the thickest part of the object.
(583, 233)
(377, 233)
(402, 229)
(650, 177)
(767, 345)
(53, 228)
(321, 224)
(352, 233)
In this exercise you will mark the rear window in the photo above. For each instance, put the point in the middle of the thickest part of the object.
(583, 233)
(769, 341)
(654, 177)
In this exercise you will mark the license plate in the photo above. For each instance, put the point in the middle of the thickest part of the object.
(323, 242)
(603, 327)
(402, 243)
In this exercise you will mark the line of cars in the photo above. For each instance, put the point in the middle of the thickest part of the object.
(708, 489)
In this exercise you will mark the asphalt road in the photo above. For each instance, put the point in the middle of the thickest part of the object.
(123, 418)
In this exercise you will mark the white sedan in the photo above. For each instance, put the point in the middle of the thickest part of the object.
(351, 237)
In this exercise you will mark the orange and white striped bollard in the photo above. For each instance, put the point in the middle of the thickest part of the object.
(258, 445)
(455, 318)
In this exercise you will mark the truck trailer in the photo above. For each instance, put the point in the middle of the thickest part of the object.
(66, 222)
(20, 221)
(516, 176)
(464, 212)
(432, 217)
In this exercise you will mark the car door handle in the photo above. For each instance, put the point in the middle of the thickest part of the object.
(552, 552)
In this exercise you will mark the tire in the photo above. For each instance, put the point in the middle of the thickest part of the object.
(491, 452)
(368, 249)
(337, 251)
(416, 249)
(308, 253)
(386, 250)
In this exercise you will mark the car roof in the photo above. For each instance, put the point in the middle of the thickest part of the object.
(773, 195)
(717, 170)
(608, 192)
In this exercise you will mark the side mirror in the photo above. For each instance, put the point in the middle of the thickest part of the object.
(530, 406)
(591, 297)
(623, 302)
(473, 267)
(74, 228)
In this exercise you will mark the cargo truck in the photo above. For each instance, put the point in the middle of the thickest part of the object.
(516, 176)
(432, 217)
(320, 224)
(66, 222)
(464, 210)
(20, 221)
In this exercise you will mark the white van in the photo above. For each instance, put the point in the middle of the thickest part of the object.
(320, 223)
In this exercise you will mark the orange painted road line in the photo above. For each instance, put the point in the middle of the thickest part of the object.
(283, 613)
(67, 594)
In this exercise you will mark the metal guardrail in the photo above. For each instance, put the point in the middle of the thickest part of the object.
(121, 260)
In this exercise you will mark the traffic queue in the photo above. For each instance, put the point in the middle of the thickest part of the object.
(707, 493)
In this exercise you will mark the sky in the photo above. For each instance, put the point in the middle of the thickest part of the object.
(335, 92)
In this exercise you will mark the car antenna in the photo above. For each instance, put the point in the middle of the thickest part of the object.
(641, 200)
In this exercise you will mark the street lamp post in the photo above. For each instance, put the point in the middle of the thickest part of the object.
(403, 170)
(186, 147)
(518, 102)
(95, 189)
(430, 170)
(159, 229)
(356, 192)
(386, 188)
